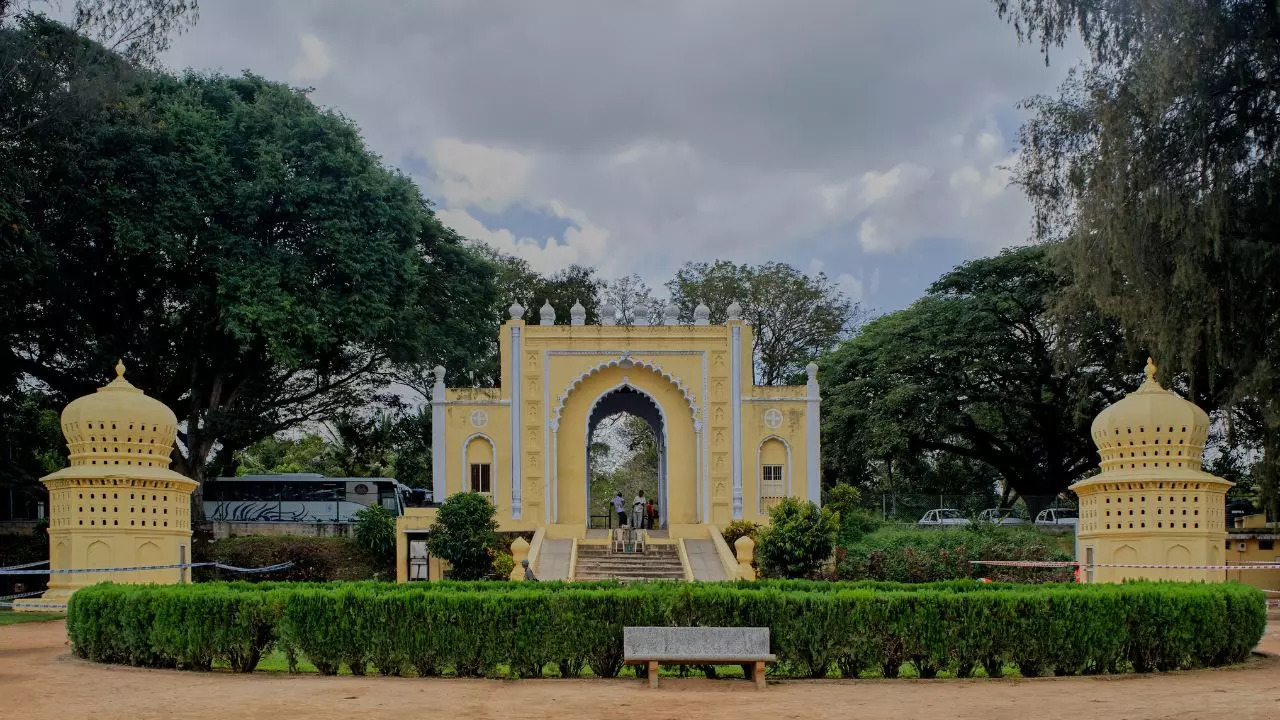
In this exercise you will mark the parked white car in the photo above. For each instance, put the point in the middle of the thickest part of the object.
(1058, 516)
(1000, 516)
(943, 516)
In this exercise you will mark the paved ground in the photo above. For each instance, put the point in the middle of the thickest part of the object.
(39, 680)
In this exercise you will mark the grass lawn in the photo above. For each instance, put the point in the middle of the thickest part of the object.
(9, 617)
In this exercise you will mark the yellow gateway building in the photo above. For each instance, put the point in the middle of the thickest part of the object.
(728, 449)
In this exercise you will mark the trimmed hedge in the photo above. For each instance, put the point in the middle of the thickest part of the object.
(480, 628)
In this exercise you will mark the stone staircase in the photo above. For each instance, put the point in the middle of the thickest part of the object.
(660, 562)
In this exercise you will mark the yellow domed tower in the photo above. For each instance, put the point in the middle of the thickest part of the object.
(1151, 504)
(118, 505)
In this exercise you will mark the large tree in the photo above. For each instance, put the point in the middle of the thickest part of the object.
(975, 369)
(253, 263)
(1155, 170)
(633, 299)
(796, 317)
(138, 30)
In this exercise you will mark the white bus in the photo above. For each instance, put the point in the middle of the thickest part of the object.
(299, 497)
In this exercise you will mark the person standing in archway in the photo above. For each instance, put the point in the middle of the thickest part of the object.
(651, 514)
(638, 510)
(619, 508)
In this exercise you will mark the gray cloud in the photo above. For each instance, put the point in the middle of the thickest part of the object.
(840, 132)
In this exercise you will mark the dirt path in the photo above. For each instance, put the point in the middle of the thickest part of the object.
(39, 679)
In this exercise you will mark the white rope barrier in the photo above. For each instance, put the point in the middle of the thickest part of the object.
(23, 569)
(1068, 564)
(37, 563)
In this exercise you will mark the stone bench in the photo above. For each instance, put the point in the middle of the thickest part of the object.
(745, 646)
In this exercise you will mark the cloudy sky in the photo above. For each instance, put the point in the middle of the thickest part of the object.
(863, 139)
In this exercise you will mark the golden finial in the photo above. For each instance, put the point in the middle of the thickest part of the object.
(1151, 370)
(119, 369)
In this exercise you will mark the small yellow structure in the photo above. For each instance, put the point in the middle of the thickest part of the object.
(118, 505)
(1151, 504)
(728, 449)
(1252, 542)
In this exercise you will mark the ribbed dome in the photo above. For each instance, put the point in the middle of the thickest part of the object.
(1152, 426)
(119, 425)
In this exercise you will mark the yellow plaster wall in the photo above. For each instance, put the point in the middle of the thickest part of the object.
(1141, 522)
(571, 438)
(562, 370)
(1245, 548)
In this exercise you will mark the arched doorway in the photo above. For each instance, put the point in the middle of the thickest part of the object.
(661, 403)
(630, 401)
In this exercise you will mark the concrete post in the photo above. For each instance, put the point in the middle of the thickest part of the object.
(519, 553)
(745, 548)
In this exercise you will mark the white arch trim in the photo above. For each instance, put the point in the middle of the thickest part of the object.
(466, 467)
(625, 361)
(760, 472)
(586, 441)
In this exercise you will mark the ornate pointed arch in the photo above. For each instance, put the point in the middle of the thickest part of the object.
(626, 362)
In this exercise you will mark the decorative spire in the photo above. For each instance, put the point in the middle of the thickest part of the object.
(671, 316)
(702, 314)
(1151, 370)
(119, 383)
(516, 310)
(608, 314)
(735, 311)
(577, 314)
(547, 315)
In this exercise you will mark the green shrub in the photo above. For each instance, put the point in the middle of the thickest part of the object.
(476, 628)
(315, 559)
(738, 529)
(916, 555)
(857, 523)
(843, 498)
(464, 535)
(798, 540)
(503, 564)
(375, 529)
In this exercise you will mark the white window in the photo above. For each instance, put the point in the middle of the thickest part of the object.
(482, 479)
(771, 483)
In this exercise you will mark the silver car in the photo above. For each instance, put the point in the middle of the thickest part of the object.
(999, 516)
(943, 516)
(1058, 516)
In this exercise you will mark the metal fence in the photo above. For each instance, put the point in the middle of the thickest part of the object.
(910, 508)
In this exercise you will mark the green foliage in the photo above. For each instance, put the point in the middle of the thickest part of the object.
(843, 498)
(316, 559)
(252, 262)
(798, 540)
(503, 564)
(816, 628)
(385, 443)
(970, 379)
(21, 549)
(1154, 172)
(738, 529)
(856, 523)
(918, 555)
(464, 535)
(375, 529)
(795, 316)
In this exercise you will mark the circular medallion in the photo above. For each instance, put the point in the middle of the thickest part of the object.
(773, 418)
(479, 419)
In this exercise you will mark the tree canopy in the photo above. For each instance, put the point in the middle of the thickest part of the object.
(253, 263)
(796, 317)
(1154, 171)
(971, 372)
